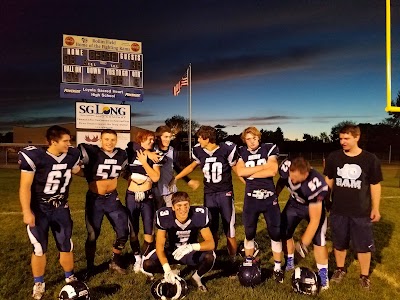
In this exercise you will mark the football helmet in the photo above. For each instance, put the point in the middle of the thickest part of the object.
(249, 274)
(242, 253)
(304, 281)
(75, 290)
(161, 289)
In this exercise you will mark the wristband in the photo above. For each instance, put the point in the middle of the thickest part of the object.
(196, 247)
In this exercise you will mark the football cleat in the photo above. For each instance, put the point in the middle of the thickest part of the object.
(279, 276)
(38, 290)
(137, 265)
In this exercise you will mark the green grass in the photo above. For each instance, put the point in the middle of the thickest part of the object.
(15, 250)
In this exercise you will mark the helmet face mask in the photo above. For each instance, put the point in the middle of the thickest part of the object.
(304, 281)
(161, 289)
(249, 274)
(75, 290)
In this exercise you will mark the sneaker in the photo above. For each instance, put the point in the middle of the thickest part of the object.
(116, 268)
(71, 279)
(279, 276)
(200, 286)
(38, 290)
(365, 283)
(338, 275)
(137, 265)
(323, 279)
(289, 264)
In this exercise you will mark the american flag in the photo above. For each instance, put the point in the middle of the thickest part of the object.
(183, 82)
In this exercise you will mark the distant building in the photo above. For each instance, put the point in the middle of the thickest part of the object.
(37, 135)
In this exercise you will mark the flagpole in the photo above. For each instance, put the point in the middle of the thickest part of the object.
(190, 109)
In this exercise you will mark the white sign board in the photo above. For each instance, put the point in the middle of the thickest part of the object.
(102, 116)
(93, 137)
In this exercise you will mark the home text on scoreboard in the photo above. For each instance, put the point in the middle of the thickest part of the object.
(102, 67)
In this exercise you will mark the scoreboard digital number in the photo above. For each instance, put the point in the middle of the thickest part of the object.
(98, 67)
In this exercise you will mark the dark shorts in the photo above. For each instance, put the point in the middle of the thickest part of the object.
(221, 203)
(293, 214)
(109, 205)
(193, 258)
(144, 208)
(253, 207)
(58, 219)
(357, 230)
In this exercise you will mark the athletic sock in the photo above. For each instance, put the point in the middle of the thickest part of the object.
(38, 279)
(68, 274)
(277, 265)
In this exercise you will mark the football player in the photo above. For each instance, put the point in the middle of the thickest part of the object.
(102, 166)
(216, 162)
(166, 186)
(139, 196)
(181, 224)
(258, 164)
(306, 202)
(43, 192)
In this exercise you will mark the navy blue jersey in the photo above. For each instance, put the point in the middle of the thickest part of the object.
(313, 189)
(259, 157)
(181, 234)
(100, 164)
(135, 166)
(216, 166)
(52, 173)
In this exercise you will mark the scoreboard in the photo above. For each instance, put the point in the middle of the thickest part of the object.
(95, 68)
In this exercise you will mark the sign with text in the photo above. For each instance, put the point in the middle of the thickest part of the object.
(95, 68)
(93, 137)
(102, 116)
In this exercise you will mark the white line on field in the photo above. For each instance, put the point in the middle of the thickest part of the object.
(385, 276)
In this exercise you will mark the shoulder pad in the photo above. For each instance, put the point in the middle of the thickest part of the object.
(163, 217)
(284, 168)
(29, 157)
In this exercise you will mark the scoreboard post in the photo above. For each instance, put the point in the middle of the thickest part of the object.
(99, 68)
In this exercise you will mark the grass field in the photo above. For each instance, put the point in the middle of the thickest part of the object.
(15, 250)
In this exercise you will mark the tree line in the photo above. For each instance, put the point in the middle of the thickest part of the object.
(377, 138)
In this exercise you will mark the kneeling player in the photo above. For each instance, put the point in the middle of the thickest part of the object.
(182, 224)
(307, 190)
